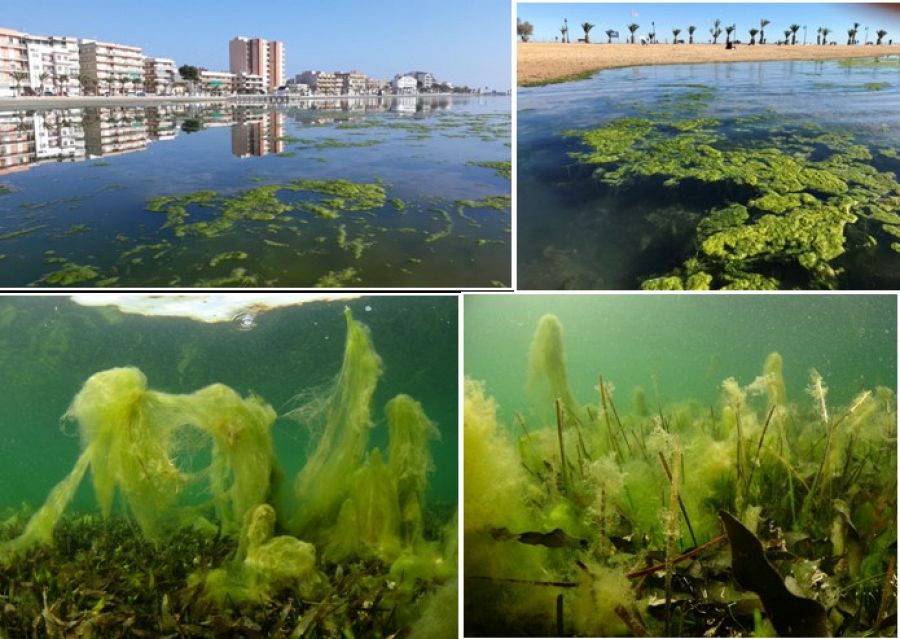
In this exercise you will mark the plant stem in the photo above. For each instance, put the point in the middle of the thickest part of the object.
(687, 520)
(562, 449)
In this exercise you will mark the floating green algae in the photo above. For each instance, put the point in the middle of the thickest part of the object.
(26, 231)
(68, 275)
(884, 62)
(502, 168)
(238, 278)
(338, 279)
(262, 204)
(788, 199)
(4, 190)
(605, 518)
(228, 566)
(495, 202)
(78, 228)
(228, 255)
(876, 86)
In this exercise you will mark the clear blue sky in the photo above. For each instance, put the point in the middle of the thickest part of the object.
(460, 41)
(547, 18)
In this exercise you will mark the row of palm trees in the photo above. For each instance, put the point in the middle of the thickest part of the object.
(85, 82)
(790, 34)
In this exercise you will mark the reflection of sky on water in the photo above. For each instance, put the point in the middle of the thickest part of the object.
(99, 166)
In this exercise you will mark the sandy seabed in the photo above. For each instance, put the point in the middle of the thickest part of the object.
(541, 62)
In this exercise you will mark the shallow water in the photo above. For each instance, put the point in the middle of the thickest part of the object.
(77, 184)
(49, 346)
(576, 232)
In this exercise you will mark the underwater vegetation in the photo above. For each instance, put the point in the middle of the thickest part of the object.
(764, 514)
(768, 211)
(200, 533)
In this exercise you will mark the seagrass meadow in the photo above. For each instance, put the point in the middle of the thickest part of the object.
(680, 466)
(750, 175)
(290, 473)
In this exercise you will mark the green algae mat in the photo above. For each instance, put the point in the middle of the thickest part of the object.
(710, 187)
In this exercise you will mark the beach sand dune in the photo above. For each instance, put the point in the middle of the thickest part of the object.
(540, 62)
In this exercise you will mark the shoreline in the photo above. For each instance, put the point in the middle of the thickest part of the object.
(73, 102)
(542, 63)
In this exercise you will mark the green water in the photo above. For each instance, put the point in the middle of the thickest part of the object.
(49, 346)
(689, 344)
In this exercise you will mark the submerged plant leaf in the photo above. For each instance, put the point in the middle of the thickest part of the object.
(791, 615)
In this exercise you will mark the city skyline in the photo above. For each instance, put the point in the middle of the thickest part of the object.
(379, 40)
(547, 18)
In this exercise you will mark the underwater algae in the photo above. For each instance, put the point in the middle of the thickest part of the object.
(782, 207)
(762, 514)
(236, 547)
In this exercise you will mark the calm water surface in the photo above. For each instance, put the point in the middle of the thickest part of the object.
(75, 186)
(575, 232)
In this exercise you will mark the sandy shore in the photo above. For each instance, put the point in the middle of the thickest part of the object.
(540, 62)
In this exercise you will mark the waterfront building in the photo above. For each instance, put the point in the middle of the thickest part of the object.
(257, 56)
(111, 69)
(35, 64)
(424, 80)
(160, 76)
(250, 84)
(352, 82)
(217, 82)
(375, 86)
(404, 84)
(321, 82)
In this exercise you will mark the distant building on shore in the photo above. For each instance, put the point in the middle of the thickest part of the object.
(111, 69)
(160, 76)
(217, 82)
(404, 84)
(257, 56)
(35, 64)
(424, 79)
(320, 82)
(352, 82)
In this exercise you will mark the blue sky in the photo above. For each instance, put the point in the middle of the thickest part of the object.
(461, 41)
(547, 18)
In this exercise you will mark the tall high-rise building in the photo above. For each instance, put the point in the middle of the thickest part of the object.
(257, 56)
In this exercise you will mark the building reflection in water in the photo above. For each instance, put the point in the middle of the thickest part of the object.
(29, 138)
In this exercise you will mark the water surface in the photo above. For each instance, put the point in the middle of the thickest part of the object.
(76, 184)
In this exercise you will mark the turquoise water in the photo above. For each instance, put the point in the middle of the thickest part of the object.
(578, 231)
(49, 346)
(75, 187)
(689, 343)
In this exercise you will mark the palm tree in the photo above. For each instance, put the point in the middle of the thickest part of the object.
(762, 34)
(794, 29)
(851, 34)
(753, 33)
(825, 32)
(855, 31)
(819, 35)
(42, 78)
(609, 35)
(675, 33)
(728, 31)
(83, 81)
(19, 76)
(787, 36)
(633, 27)
(880, 33)
(586, 27)
(716, 31)
(64, 83)
(564, 30)
(691, 30)
(123, 80)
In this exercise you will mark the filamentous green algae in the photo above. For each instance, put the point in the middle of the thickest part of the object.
(787, 199)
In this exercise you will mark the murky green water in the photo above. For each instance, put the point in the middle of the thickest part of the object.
(396, 192)
(746, 175)
(50, 346)
(688, 344)
(685, 465)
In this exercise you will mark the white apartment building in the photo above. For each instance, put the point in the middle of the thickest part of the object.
(352, 82)
(111, 69)
(424, 79)
(321, 82)
(34, 64)
(404, 84)
(160, 76)
(250, 84)
(217, 82)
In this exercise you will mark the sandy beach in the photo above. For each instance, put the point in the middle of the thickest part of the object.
(542, 62)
